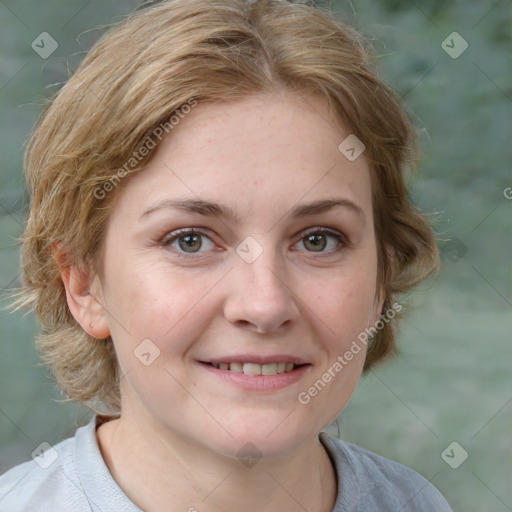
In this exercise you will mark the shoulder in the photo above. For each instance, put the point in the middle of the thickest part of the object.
(377, 483)
(44, 483)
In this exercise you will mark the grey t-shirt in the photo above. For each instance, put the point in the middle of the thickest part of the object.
(74, 477)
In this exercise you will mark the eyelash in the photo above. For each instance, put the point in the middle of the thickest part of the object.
(170, 238)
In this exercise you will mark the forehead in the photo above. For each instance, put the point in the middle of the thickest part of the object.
(259, 154)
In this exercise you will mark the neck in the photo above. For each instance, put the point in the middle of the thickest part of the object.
(155, 470)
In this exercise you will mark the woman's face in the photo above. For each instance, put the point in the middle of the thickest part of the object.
(247, 239)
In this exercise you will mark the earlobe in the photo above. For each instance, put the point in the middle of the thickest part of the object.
(84, 297)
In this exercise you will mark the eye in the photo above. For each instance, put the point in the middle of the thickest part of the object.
(322, 240)
(188, 241)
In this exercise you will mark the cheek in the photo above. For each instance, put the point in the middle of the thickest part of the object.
(171, 311)
(341, 313)
(344, 301)
(154, 303)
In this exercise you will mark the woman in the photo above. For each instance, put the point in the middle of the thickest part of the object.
(218, 233)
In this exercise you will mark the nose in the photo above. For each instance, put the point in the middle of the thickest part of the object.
(260, 298)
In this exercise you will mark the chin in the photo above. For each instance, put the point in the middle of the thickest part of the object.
(266, 435)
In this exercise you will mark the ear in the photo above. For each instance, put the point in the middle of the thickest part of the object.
(84, 295)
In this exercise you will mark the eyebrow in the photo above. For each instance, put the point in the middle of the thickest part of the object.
(208, 208)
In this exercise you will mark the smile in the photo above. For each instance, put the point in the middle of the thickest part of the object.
(257, 377)
(256, 369)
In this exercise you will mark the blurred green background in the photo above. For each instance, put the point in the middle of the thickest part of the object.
(452, 381)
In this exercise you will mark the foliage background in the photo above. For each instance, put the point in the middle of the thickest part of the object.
(452, 379)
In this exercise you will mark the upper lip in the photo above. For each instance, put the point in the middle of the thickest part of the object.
(257, 359)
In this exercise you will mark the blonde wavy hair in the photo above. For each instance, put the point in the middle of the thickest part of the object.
(134, 78)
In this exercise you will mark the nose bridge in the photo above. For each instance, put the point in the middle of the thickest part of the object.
(260, 295)
(263, 272)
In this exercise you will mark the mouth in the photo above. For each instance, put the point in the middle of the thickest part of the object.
(258, 374)
(256, 369)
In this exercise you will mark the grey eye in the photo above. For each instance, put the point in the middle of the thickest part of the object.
(315, 242)
(190, 243)
(321, 241)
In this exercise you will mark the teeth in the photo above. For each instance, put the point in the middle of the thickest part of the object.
(269, 369)
(252, 369)
(256, 369)
(281, 367)
(236, 367)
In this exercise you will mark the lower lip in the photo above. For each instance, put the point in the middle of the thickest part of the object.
(259, 382)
